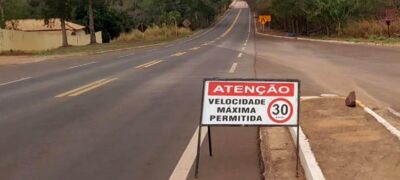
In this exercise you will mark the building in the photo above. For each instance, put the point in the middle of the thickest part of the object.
(40, 35)
(41, 25)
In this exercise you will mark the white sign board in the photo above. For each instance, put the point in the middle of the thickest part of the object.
(250, 102)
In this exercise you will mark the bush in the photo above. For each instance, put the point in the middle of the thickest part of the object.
(154, 33)
(370, 29)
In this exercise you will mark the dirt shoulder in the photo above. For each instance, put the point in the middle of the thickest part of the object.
(348, 143)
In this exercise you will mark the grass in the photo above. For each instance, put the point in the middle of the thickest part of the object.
(370, 39)
(369, 31)
(362, 31)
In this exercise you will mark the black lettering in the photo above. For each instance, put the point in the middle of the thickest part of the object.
(211, 101)
(212, 117)
(221, 110)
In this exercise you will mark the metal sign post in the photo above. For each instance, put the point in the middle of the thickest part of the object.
(391, 15)
(142, 28)
(249, 103)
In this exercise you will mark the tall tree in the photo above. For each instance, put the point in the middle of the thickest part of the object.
(2, 2)
(91, 22)
(59, 9)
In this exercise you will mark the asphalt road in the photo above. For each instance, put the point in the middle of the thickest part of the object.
(132, 114)
(123, 115)
(372, 71)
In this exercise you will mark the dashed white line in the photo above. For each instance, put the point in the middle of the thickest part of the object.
(124, 56)
(186, 161)
(240, 55)
(194, 48)
(178, 54)
(73, 67)
(18, 80)
(233, 68)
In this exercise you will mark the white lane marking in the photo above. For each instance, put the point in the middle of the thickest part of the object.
(240, 55)
(329, 95)
(148, 64)
(195, 48)
(394, 112)
(381, 120)
(178, 54)
(309, 97)
(73, 67)
(124, 56)
(151, 64)
(233, 68)
(18, 80)
(188, 157)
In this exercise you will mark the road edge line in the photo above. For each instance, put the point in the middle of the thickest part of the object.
(382, 121)
(185, 163)
(15, 81)
(394, 112)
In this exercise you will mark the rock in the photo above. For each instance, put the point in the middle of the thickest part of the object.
(351, 99)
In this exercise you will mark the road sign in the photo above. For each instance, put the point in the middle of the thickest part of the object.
(391, 14)
(264, 19)
(250, 102)
(142, 27)
(186, 23)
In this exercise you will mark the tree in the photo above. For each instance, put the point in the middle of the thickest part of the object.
(2, 18)
(59, 9)
(91, 22)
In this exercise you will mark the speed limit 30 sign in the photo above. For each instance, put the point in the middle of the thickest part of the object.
(247, 102)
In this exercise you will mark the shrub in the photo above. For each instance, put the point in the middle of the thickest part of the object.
(154, 33)
(370, 29)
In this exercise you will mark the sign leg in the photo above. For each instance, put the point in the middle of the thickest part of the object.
(297, 151)
(196, 171)
(209, 141)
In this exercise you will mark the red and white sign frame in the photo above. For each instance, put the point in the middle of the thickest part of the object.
(250, 102)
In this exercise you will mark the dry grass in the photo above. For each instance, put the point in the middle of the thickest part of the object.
(370, 29)
(154, 33)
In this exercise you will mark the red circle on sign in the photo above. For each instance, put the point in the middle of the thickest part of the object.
(276, 120)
